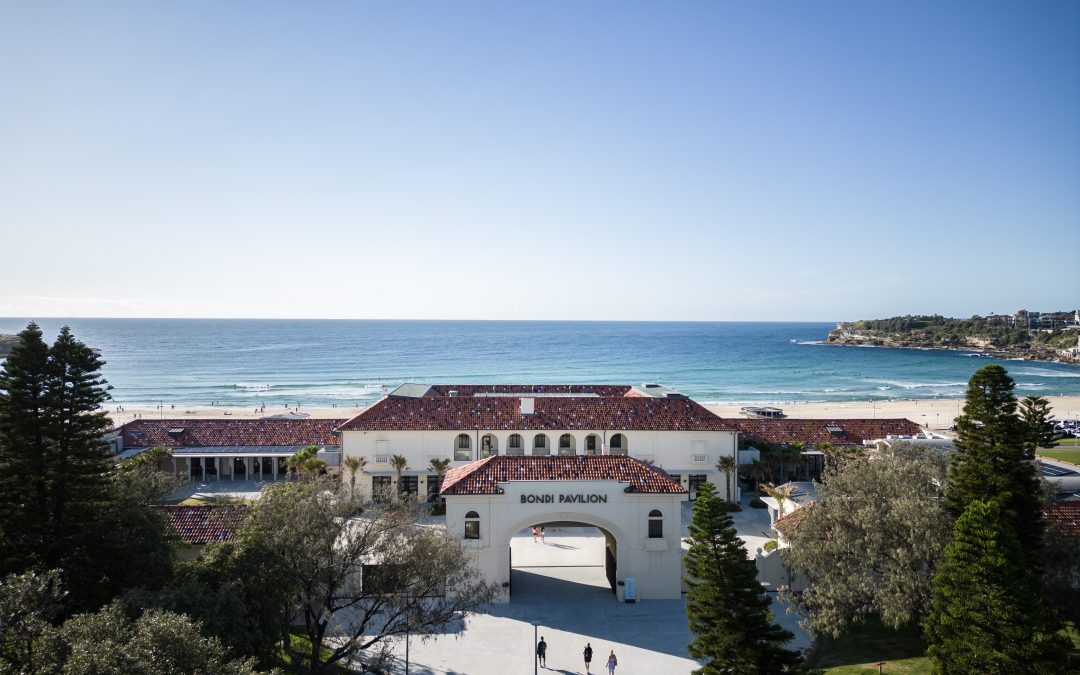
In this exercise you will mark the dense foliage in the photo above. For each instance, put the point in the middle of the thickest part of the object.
(870, 543)
(59, 506)
(995, 459)
(988, 617)
(371, 572)
(726, 606)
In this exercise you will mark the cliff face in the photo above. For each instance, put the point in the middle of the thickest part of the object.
(852, 334)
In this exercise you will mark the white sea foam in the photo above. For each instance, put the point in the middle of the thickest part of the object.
(1045, 372)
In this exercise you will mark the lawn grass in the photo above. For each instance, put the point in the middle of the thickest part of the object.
(1068, 442)
(301, 644)
(860, 649)
(1062, 454)
(209, 500)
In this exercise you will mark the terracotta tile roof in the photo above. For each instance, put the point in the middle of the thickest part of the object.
(792, 520)
(602, 390)
(202, 524)
(814, 432)
(216, 432)
(1063, 517)
(553, 413)
(483, 477)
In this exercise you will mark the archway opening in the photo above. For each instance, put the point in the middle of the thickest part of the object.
(565, 558)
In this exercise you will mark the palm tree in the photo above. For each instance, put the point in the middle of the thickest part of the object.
(439, 466)
(757, 471)
(791, 455)
(728, 465)
(781, 493)
(354, 464)
(304, 461)
(400, 464)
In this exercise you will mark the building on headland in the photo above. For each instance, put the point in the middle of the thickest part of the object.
(466, 423)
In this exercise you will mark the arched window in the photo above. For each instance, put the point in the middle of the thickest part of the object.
(592, 444)
(656, 525)
(618, 444)
(515, 445)
(566, 445)
(489, 445)
(472, 525)
(540, 445)
(463, 448)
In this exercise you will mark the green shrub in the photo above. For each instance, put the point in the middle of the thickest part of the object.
(770, 545)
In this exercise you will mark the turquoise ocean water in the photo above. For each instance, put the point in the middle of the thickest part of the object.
(321, 363)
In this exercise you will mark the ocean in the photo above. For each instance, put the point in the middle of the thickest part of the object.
(345, 363)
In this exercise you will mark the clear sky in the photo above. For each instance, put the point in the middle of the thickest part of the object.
(546, 160)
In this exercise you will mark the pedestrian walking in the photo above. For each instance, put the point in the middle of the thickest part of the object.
(541, 534)
(541, 652)
(588, 657)
(612, 662)
(535, 533)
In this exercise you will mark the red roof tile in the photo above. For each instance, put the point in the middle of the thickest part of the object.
(483, 477)
(554, 413)
(1063, 517)
(203, 524)
(218, 432)
(602, 390)
(815, 432)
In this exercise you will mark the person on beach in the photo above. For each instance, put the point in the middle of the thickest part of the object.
(541, 652)
(612, 662)
(541, 534)
(588, 657)
(535, 533)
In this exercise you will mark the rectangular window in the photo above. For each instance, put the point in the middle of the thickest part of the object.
(472, 529)
(409, 485)
(380, 487)
(382, 451)
(696, 480)
(697, 449)
(434, 484)
(656, 528)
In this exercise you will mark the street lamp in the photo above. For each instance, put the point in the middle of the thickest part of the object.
(536, 657)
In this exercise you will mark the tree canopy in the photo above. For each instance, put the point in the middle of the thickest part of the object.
(870, 543)
(726, 606)
(372, 572)
(988, 617)
(994, 459)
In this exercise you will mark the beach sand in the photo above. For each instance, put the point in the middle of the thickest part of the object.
(931, 414)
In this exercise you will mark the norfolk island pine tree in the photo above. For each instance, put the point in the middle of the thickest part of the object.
(727, 608)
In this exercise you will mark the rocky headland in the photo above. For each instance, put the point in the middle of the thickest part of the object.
(976, 335)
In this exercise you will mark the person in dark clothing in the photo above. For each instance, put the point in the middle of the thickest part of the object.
(588, 656)
(541, 652)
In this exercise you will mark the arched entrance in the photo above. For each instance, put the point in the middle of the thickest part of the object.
(575, 552)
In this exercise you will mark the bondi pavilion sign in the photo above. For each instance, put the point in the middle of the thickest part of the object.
(564, 499)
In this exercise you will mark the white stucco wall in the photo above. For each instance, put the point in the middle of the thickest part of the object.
(656, 564)
(672, 451)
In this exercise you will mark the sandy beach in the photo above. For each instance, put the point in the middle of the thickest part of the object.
(931, 414)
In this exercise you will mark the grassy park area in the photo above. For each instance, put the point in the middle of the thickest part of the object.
(1064, 450)
(860, 649)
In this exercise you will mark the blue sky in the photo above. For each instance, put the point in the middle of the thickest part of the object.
(689, 161)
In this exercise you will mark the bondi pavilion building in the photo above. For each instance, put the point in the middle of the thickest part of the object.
(613, 460)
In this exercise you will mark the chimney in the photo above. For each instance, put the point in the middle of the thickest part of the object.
(527, 406)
